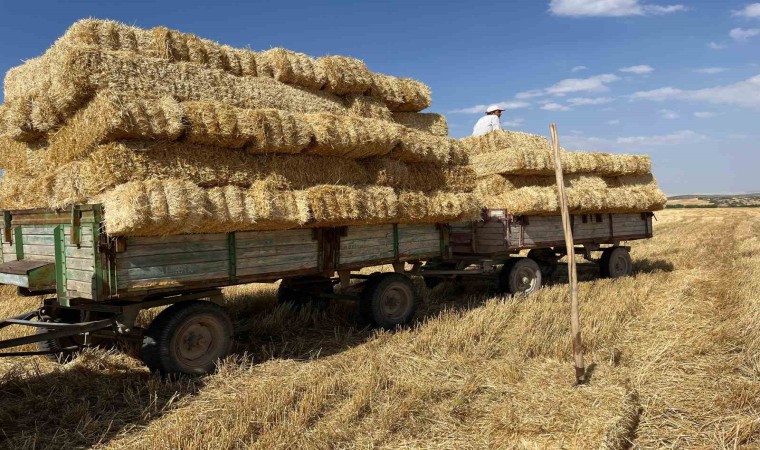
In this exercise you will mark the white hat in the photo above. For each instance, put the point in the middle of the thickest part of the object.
(493, 108)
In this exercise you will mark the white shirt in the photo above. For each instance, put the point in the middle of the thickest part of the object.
(486, 124)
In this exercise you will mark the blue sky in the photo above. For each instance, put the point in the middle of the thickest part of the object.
(678, 80)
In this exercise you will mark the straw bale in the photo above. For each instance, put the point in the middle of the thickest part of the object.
(164, 207)
(424, 177)
(332, 205)
(511, 152)
(437, 207)
(417, 146)
(292, 67)
(258, 130)
(21, 156)
(585, 193)
(352, 137)
(366, 106)
(110, 117)
(344, 75)
(400, 94)
(74, 76)
(428, 122)
(23, 190)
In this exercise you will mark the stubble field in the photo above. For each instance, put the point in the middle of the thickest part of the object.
(673, 353)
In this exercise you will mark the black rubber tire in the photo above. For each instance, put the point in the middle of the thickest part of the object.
(161, 349)
(520, 276)
(615, 263)
(383, 288)
(547, 260)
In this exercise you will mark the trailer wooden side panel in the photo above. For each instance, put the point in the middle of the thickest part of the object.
(415, 241)
(367, 243)
(79, 263)
(262, 252)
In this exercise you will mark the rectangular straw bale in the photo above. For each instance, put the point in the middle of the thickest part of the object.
(292, 67)
(586, 194)
(505, 140)
(436, 207)
(118, 163)
(400, 94)
(344, 75)
(366, 106)
(424, 177)
(428, 122)
(74, 76)
(417, 146)
(111, 116)
(21, 156)
(258, 130)
(164, 207)
(343, 205)
(352, 137)
(24, 190)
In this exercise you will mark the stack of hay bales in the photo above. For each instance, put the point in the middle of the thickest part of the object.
(177, 134)
(516, 172)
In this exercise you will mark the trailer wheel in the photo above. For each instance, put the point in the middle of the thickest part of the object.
(615, 263)
(388, 300)
(520, 276)
(187, 338)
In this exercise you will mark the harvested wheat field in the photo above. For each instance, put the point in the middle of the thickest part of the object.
(673, 354)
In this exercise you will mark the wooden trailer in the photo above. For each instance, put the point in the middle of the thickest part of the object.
(98, 283)
(491, 246)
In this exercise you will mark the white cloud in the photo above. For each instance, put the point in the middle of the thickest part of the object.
(744, 93)
(596, 83)
(516, 122)
(677, 138)
(613, 122)
(668, 114)
(582, 101)
(529, 94)
(608, 8)
(750, 11)
(481, 109)
(704, 114)
(743, 34)
(578, 68)
(716, 46)
(555, 107)
(640, 69)
(711, 70)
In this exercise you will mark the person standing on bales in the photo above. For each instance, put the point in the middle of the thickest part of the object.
(489, 122)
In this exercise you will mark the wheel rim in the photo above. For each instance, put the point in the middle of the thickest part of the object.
(396, 302)
(526, 279)
(619, 265)
(199, 342)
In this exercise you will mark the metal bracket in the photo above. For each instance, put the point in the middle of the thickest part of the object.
(7, 234)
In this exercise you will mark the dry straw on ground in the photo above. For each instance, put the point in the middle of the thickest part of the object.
(176, 206)
(585, 193)
(428, 122)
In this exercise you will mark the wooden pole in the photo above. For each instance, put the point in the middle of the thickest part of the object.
(575, 321)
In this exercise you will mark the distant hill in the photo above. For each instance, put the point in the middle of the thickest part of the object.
(751, 200)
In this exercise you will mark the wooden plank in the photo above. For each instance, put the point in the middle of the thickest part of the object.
(365, 243)
(222, 278)
(82, 253)
(277, 260)
(84, 289)
(366, 257)
(39, 250)
(32, 256)
(176, 248)
(278, 251)
(80, 264)
(129, 262)
(173, 271)
(265, 238)
(79, 275)
(183, 238)
(274, 269)
(37, 239)
(38, 230)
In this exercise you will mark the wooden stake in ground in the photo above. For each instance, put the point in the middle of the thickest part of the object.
(575, 321)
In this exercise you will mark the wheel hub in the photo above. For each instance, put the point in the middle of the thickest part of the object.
(195, 343)
(526, 279)
(395, 302)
